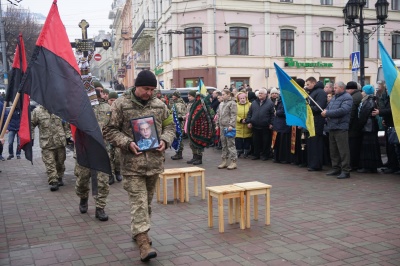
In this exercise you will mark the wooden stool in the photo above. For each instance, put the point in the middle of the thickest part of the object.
(225, 192)
(178, 176)
(194, 172)
(253, 189)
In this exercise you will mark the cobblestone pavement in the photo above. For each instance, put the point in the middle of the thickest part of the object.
(315, 220)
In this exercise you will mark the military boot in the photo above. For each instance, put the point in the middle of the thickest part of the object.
(232, 165)
(101, 215)
(198, 160)
(177, 156)
(118, 176)
(54, 186)
(134, 238)
(146, 251)
(111, 179)
(192, 160)
(224, 164)
(83, 205)
(60, 182)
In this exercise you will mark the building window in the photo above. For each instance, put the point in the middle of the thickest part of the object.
(287, 43)
(366, 45)
(396, 46)
(326, 44)
(238, 82)
(170, 46)
(161, 51)
(193, 41)
(191, 82)
(395, 5)
(326, 2)
(239, 41)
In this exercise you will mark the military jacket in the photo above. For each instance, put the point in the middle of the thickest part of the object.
(102, 111)
(119, 133)
(52, 130)
(180, 107)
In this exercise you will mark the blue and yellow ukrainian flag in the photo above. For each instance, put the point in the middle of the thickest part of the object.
(294, 99)
(202, 88)
(392, 79)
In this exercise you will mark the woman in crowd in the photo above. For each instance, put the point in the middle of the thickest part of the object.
(227, 122)
(281, 145)
(243, 133)
(370, 154)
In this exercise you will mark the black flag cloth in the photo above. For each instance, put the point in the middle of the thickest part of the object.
(53, 80)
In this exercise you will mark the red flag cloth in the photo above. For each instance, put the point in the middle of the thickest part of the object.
(18, 69)
(53, 80)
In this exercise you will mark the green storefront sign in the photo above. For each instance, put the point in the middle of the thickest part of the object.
(289, 62)
(158, 71)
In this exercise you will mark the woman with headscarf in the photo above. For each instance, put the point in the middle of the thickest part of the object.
(243, 133)
(370, 154)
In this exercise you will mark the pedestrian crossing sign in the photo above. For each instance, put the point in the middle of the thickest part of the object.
(355, 61)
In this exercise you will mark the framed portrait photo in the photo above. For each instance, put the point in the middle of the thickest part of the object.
(145, 133)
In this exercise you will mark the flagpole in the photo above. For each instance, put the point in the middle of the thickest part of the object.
(2, 114)
(3, 132)
(311, 99)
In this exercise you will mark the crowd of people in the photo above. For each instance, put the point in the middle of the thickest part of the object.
(247, 124)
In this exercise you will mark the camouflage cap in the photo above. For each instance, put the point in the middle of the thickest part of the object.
(192, 93)
(113, 95)
(97, 84)
(106, 91)
(176, 94)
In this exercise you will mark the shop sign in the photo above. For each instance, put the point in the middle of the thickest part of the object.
(290, 62)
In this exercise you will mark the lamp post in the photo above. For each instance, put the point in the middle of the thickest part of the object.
(353, 11)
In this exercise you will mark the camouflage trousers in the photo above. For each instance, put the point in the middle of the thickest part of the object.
(82, 185)
(53, 160)
(140, 191)
(228, 148)
(115, 161)
(196, 150)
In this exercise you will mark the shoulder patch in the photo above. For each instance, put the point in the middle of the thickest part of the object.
(109, 113)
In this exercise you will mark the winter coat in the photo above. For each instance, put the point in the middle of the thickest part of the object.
(353, 125)
(318, 95)
(280, 118)
(338, 112)
(385, 111)
(367, 122)
(53, 132)
(242, 130)
(261, 116)
(119, 133)
(15, 120)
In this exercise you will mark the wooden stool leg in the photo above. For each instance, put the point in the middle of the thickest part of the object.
(165, 189)
(267, 208)
(221, 213)
(237, 210)
(248, 199)
(242, 222)
(196, 192)
(210, 210)
(181, 183)
(203, 186)
(175, 189)
(158, 189)
(256, 207)
(230, 211)
(187, 186)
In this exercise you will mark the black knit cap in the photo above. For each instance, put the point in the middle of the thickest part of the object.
(351, 85)
(146, 78)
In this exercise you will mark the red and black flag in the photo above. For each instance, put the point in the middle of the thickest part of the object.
(19, 67)
(53, 80)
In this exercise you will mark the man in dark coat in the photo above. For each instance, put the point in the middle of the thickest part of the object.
(315, 145)
(260, 118)
(354, 130)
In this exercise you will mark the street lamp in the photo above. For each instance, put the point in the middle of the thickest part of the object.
(353, 11)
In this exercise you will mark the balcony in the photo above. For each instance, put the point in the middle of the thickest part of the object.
(144, 36)
(142, 64)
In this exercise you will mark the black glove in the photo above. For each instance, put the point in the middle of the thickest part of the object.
(69, 140)
(32, 142)
(180, 119)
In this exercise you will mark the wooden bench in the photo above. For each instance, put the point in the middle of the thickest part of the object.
(178, 176)
(254, 189)
(226, 192)
(194, 172)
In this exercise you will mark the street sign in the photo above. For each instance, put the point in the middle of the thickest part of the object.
(97, 57)
(355, 61)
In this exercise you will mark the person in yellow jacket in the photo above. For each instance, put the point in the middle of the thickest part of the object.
(243, 133)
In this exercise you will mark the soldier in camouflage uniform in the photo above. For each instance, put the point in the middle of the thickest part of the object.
(181, 111)
(114, 151)
(197, 152)
(140, 169)
(54, 134)
(102, 113)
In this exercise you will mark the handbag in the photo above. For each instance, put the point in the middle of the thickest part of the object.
(230, 134)
(392, 136)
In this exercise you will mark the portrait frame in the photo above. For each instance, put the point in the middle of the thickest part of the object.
(145, 133)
